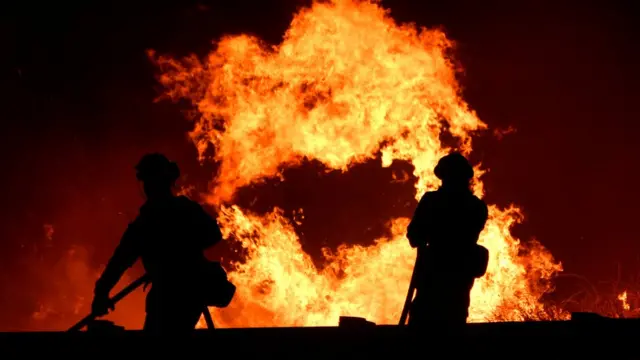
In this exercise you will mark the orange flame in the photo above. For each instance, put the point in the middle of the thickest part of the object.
(346, 85)
(623, 299)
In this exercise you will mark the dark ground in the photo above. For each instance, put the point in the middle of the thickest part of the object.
(549, 340)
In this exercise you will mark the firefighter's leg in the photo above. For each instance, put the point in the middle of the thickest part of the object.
(418, 313)
(171, 316)
(172, 321)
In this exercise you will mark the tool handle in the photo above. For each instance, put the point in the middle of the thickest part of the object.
(119, 296)
(208, 319)
(412, 289)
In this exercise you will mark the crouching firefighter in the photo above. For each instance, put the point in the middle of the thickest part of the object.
(169, 235)
(445, 229)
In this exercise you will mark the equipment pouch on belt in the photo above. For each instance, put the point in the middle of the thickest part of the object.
(479, 261)
(218, 291)
(472, 261)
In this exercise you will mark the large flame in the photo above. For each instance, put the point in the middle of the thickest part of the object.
(346, 85)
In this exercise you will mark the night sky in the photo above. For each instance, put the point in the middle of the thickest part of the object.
(78, 112)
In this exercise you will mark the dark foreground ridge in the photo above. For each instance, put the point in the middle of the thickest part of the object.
(582, 335)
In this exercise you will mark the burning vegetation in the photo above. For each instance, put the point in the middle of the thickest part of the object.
(347, 85)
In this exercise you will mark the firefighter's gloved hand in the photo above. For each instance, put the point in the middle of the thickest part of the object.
(101, 305)
(145, 285)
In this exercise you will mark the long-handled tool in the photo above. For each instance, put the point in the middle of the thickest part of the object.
(207, 318)
(412, 289)
(123, 293)
(119, 296)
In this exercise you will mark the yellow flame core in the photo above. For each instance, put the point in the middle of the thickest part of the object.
(346, 84)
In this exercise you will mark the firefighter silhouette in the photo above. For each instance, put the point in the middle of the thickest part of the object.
(169, 235)
(445, 228)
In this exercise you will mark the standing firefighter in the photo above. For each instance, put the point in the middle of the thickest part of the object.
(445, 229)
(169, 235)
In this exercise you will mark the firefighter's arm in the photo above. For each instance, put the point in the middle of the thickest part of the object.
(211, 233)
(417, 229)
(483, 216)
(124, 257)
